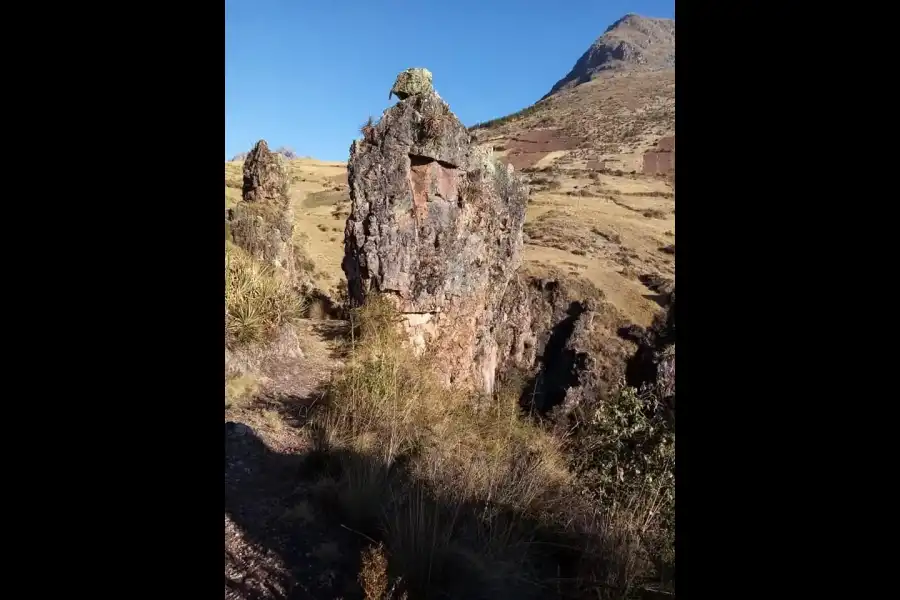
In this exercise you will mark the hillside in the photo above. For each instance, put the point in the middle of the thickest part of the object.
(592, 211)
(380, 433)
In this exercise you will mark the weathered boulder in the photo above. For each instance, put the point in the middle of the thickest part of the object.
(411, 82)
(437, 230)
(263, 222)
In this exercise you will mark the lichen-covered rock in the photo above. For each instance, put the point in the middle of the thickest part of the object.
(263, 222)
(482, 157)
(411, 82)
(435, 231)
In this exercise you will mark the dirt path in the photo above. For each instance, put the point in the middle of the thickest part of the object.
(277, 544)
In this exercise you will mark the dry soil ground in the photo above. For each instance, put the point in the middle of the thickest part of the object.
(278, 542)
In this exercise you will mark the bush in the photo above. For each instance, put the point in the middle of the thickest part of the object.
(257, 301)
(623, 450)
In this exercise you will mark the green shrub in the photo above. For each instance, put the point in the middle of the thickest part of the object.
(623, 451)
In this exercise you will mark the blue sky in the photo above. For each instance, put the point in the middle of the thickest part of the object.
(307, 74)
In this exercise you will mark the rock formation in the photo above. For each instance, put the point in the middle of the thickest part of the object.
(263, 222)
(654, 362)
(559, 331)
(411, 82)
(437, 229)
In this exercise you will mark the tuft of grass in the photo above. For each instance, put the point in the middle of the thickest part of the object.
(433, 124)
(368, 130)
(301, 512)
(257, 301)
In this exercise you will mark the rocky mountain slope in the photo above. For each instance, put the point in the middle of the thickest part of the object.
(592, 211)
(631, 43)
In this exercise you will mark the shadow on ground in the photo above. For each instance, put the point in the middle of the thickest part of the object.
(290, 535)
(338, 333)
(275, 547)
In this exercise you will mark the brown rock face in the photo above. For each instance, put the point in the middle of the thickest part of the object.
(437, 228)
(560, 333)
(262, 223)
(654, 362)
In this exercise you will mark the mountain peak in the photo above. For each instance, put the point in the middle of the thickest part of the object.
(633, 42)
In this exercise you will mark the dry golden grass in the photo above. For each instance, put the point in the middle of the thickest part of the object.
(467, 496)
(606, 237)
(567, 237)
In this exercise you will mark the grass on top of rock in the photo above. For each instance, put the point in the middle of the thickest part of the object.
(368, 130)
(434, 121)
(257, 301)
(469, 497)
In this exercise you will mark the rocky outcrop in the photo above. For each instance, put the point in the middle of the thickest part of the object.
(263, 222)
(654, 362)
(436, 228)
(560, 333)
